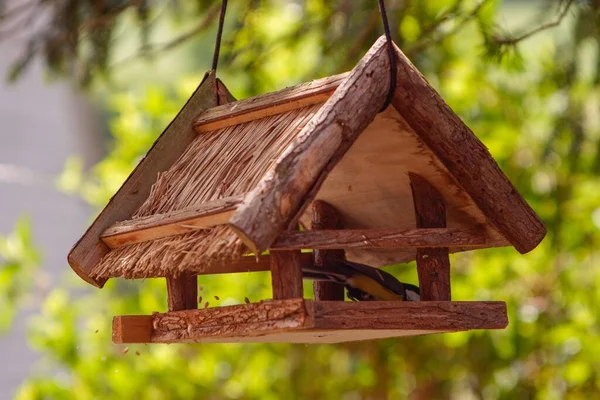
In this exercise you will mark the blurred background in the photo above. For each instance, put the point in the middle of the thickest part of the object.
(88, 86)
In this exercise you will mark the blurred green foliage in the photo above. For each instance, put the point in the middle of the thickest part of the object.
(18, 266)
(538, 111)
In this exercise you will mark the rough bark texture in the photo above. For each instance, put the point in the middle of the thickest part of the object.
(284, 192)
(325, 216)
(182, 292)
(467, 159)
(286, 274)
(231, 321)
(305, 94)
(382, 238)
(438, 315)
(433, 264)
(307, 321)
(89, 250)
(157, 226)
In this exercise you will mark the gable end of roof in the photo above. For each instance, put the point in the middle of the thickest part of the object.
(465, 157)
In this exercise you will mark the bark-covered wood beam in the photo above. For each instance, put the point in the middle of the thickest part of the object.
(182, 292)
(465, 157)
(307, 321)
(295, 178)
(325, 216)
(433, 264)
(152, 227)
(384, 238)
(286, 274)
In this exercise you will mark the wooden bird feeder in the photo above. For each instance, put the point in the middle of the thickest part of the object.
(228, 179)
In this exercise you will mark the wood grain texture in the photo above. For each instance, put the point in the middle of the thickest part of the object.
(182, 292)
(433, 264)
(467, 159)
(293, 181)
(157, 226)
(381, 238)
(370, 189)
(324, 216)
(426, 315)
(305, 94)
(224, 95)
(89, 250)
(286, 274)
(307, 321)
(132, 329)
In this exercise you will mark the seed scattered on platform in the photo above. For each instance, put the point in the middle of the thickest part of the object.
(216, 297)
(137, 353)
(199, 299)
(206, 305)
(126, 350)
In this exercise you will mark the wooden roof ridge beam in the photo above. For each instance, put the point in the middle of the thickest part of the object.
(89, 249)
(142, 229)
(295, 178)
(265, 105)
(433, 263)
(465, 157)
(383, 238)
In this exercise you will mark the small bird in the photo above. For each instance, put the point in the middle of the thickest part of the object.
(362, 281)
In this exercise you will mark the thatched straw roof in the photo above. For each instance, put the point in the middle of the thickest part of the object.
(277, 152)
(220, 163)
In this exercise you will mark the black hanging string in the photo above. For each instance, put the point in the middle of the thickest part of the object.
(388, 37)
(219, 35)
(391, 53)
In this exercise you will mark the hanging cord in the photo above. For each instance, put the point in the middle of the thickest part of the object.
(219, 35)
(391, 53)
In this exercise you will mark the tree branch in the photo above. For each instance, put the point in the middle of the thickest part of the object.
(427, 42)
(211, 15)
(508, 41)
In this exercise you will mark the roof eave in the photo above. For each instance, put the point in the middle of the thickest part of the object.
(89, 249)
(465, 157)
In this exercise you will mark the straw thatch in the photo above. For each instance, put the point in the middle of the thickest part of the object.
(225, 162)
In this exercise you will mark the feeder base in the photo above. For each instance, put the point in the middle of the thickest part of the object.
(308, 321)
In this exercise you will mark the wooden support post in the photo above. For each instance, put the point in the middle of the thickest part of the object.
(182, 292)
(325, 216)
(433, 264)
(286, 274)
